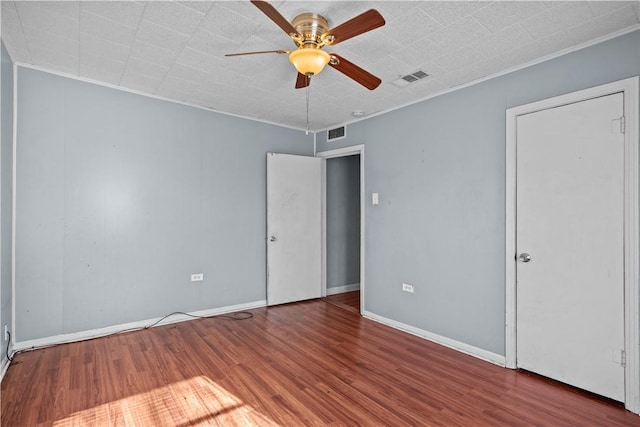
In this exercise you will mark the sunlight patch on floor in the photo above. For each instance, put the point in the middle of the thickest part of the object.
(193, 402)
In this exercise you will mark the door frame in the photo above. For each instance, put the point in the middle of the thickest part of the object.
(631, 224)
(331, 154)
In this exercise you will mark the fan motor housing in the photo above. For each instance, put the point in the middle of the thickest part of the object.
(311, 26)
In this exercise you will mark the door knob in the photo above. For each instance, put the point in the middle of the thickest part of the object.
(524, 257)
(272, 239)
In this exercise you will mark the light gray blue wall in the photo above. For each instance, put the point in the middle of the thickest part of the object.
(6, 192)
(439, 167)
(121, 197)
(343, 221)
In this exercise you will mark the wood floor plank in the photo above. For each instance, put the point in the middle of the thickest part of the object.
(312, 363)
(350, 301)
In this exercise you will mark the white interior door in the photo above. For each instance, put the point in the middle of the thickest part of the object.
(294, 228)
(570, 220)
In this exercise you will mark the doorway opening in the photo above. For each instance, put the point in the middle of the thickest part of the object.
(343, 227)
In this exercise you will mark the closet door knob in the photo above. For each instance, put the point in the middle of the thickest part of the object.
(524, 257)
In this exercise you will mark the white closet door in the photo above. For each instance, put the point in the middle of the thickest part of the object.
(294, 228)
(570, 221)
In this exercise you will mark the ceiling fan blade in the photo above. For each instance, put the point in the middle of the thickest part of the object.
(275, 16)
(302, 81)
(258, 52)
(362, 23)
(354, 72)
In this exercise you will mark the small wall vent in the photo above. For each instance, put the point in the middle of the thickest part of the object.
(410, 78)
(337, 133)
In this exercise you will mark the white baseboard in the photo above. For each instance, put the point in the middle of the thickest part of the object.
(96, 333)
(438, 339)
(4, 365)
(343, 289)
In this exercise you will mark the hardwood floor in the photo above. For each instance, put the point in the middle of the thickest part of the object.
(346, 300)
(301, 364)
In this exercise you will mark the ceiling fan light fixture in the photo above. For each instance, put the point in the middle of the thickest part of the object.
(309, 60)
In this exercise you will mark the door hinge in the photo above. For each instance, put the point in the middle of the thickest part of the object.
(623, 358)
(618, 125)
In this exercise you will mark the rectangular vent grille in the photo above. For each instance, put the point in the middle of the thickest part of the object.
(337, 133)
(410, 78)
(420, 74)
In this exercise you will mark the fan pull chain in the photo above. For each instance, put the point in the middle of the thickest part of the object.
(306, 132)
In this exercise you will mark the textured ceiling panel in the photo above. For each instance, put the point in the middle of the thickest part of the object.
(557, 19)
(176, 50)
(123, 12)
(447, 13)
(499, 15)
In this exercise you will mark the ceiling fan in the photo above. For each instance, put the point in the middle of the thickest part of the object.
(310, 32)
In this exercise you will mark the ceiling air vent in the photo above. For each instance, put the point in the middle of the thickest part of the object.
(337, 133)
(410, 78)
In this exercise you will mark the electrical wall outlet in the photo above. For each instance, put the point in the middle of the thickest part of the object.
(6, 332)
(407, 287)
(198, 277)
